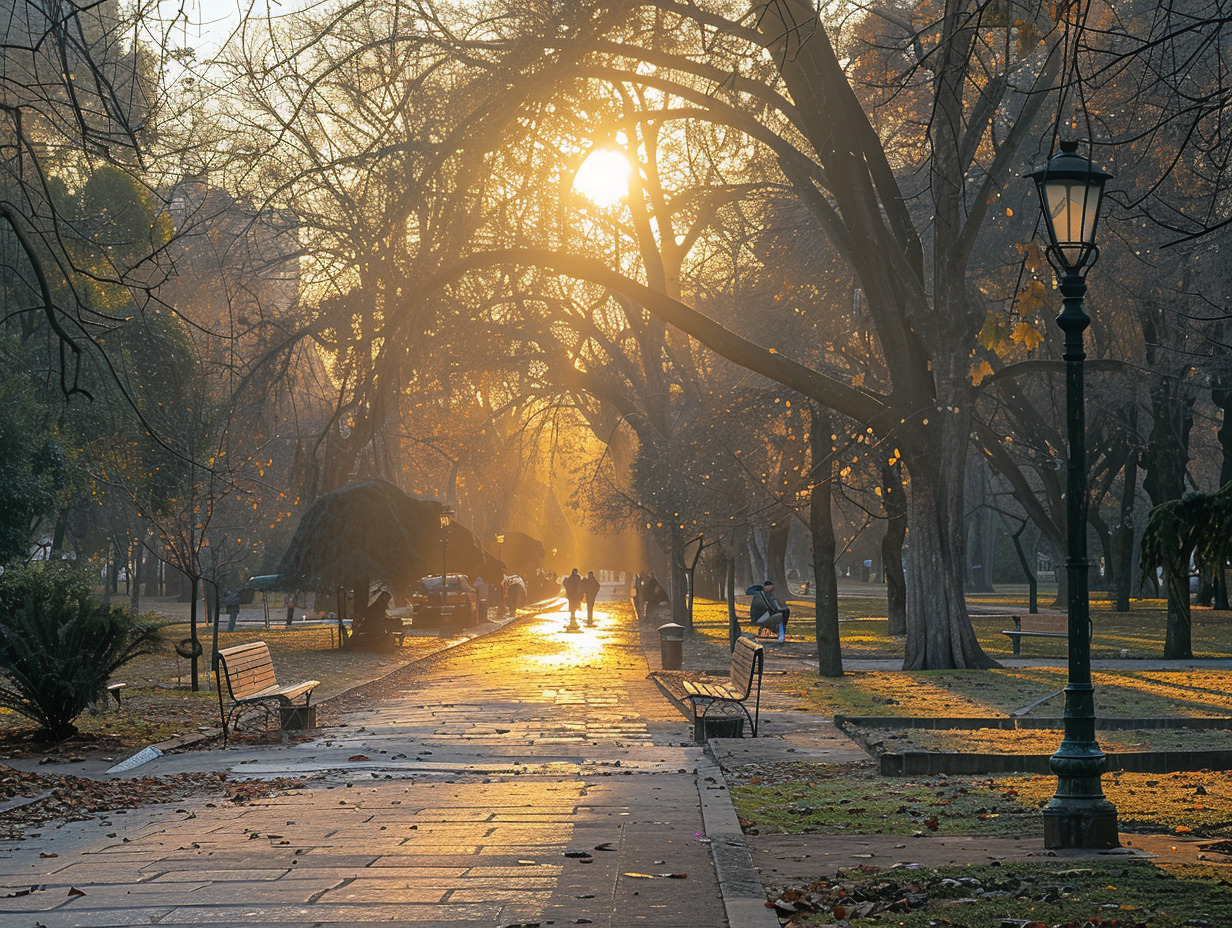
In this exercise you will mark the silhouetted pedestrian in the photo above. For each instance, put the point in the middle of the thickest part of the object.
(590, 589)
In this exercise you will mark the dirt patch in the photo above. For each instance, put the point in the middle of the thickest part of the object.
(71, 799)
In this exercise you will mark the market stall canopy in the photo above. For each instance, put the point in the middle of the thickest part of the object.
(373, 531)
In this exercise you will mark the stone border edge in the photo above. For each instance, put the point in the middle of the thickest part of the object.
(744, 897)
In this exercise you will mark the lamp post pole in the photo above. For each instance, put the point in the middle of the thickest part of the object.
(445, 514)
(500, 556)
(1078, 815)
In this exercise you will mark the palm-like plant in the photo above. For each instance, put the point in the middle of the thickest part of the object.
(58, 647)
(1198, 527)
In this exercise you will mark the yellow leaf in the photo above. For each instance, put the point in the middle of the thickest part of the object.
(992, 332)
(1033, 299)
(980, 371)
(1027, 335)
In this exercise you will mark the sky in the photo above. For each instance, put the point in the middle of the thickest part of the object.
(205, 25)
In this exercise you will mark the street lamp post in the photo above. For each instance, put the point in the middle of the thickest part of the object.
(1079, 816)
(500, 556)
(445, 516)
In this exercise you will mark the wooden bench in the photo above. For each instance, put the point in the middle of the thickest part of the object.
(747, 663)
(106, 694)
(248, 670)
(1016, 634)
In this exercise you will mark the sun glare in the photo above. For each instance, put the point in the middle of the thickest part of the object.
(603, 177)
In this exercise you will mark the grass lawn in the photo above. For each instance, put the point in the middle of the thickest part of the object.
(975, 693)
(1140, 632)
(853, 799)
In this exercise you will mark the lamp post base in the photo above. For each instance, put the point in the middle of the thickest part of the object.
(1081, 825)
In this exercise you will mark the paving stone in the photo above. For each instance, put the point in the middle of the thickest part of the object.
(412, 913)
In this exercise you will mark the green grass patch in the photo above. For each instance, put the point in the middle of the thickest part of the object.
(852, 799)
(800, 798)
(1126, 894)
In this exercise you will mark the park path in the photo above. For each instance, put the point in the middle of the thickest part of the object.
(468, 799)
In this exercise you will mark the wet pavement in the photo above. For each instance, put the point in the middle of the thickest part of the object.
(537, 776)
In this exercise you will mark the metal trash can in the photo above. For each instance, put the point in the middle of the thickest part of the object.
(671, 645)
(295, 718)
(721, 727)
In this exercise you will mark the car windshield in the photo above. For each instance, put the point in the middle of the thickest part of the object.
(433, 584)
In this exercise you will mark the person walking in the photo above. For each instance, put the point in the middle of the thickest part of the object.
(231, 599)
(590, 589)
(573, 593)
(483, 590)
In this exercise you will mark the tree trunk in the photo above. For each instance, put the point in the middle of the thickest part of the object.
(776, 554)
(821, 525)
(136, 576)
(679, 583)
(1223, 399)
(894, 498)
(192, 632)
(1123, 537)
(1178, 642)
(758, 565)
(939, 632)
(1096, 582)
(981, 528)
(1167, 456)
(1028, 572)
(733, 622)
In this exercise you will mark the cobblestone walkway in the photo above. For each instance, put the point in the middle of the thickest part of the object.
(535, 777)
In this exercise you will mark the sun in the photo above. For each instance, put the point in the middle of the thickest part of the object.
(603, 177)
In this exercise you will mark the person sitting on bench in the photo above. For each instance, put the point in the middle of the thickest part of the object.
(768, 614)
(375, 626)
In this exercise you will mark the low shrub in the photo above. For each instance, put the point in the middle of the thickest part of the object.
(58, 646)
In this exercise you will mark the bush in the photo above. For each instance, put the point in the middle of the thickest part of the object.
(58, 647)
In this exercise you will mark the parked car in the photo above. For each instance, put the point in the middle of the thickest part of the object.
(458, 593)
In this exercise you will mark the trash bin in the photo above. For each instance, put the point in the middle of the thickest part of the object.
(671, 645)
(295, 718)
(722, 727)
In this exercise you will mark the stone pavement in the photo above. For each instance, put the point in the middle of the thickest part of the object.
(533, 777)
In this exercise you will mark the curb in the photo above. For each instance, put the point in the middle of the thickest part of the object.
(744, 897)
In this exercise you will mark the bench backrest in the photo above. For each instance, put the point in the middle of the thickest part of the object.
(746, 664)
(247, 668)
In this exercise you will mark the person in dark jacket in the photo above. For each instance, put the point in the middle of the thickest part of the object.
(573, 593)
(767, 613)
(590, 589)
